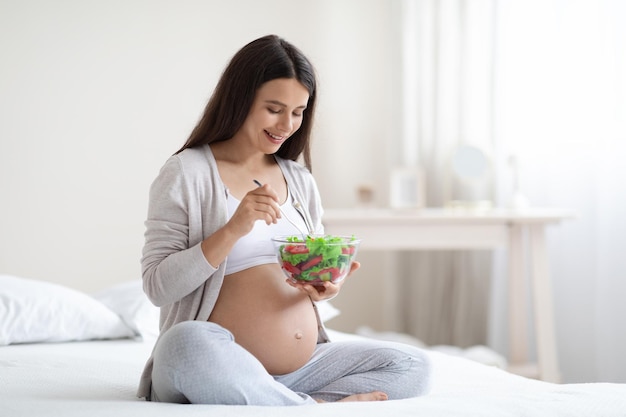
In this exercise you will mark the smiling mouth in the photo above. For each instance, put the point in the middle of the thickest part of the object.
(275, 137)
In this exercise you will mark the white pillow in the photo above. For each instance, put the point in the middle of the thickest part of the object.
(130, 302)
(37, 311)
(326, 310)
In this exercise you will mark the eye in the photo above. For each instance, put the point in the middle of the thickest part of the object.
(273, 111)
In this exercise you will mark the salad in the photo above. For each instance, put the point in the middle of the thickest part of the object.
(316, 259)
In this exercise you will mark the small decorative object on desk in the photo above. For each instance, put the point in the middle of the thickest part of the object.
(471, 179)
(407, 188)
(518, 200)
(365, 195)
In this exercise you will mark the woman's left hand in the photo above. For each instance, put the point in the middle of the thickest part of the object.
(322, 292)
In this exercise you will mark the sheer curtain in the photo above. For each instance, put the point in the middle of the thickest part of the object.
(448, 101)
(561, 109)
(543, 81)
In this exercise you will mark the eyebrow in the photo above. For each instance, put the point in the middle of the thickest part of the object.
(279, 103)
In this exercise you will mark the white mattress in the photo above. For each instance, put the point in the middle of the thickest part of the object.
(99, 378)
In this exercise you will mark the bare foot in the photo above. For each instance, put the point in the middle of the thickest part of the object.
(368, 396)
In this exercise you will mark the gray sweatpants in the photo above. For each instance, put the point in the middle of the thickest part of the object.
(199, 362)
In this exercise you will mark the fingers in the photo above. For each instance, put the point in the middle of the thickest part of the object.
(265, 203)
(267, 191)
(354, 266)
(316, 292)
(258, 204)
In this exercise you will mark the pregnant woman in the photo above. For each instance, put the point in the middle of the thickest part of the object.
(233, 329)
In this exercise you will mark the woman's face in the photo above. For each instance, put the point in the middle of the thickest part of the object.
(275, 115)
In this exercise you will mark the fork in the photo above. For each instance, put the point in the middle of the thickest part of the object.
(283, 213)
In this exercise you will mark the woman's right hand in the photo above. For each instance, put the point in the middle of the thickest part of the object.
(261, 203)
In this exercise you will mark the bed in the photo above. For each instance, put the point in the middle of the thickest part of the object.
(88, 360)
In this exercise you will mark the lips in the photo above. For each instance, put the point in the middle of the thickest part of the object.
(275, 138)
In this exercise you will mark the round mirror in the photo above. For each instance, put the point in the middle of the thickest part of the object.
(470, 163)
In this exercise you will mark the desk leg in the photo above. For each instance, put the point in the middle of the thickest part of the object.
(518, 299)
(543, 310)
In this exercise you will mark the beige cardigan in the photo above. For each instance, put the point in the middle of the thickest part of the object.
(187, 203)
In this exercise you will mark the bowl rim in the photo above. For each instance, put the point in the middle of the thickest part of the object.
(347, 240)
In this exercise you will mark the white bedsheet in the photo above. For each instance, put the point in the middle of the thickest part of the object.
(99, 378)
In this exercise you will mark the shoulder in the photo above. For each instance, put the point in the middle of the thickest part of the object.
(193, 158)
(295, 170)
(189, 162)
(191, 166)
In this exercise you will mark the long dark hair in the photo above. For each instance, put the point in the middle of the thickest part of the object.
(260, 61)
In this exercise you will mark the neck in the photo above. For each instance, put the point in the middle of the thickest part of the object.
(234, 156)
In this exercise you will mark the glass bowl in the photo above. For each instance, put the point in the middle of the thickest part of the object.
(316, 259)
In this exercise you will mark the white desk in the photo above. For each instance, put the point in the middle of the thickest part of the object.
(521, 233)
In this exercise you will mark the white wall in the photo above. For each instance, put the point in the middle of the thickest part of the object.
(96, 95)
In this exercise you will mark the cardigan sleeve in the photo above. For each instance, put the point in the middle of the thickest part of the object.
(171, 269)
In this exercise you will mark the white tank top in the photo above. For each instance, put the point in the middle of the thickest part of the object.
(257, 248)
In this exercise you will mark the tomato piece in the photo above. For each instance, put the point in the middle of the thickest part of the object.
(296, 249)
(334, 272)
(310, 263)
(291, 268)
(347, 250)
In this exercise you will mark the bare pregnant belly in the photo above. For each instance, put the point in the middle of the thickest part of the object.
(272, 320)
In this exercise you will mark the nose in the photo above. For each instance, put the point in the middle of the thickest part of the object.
(285, 123)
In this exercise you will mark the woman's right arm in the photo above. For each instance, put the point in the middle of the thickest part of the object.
(171, 268)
